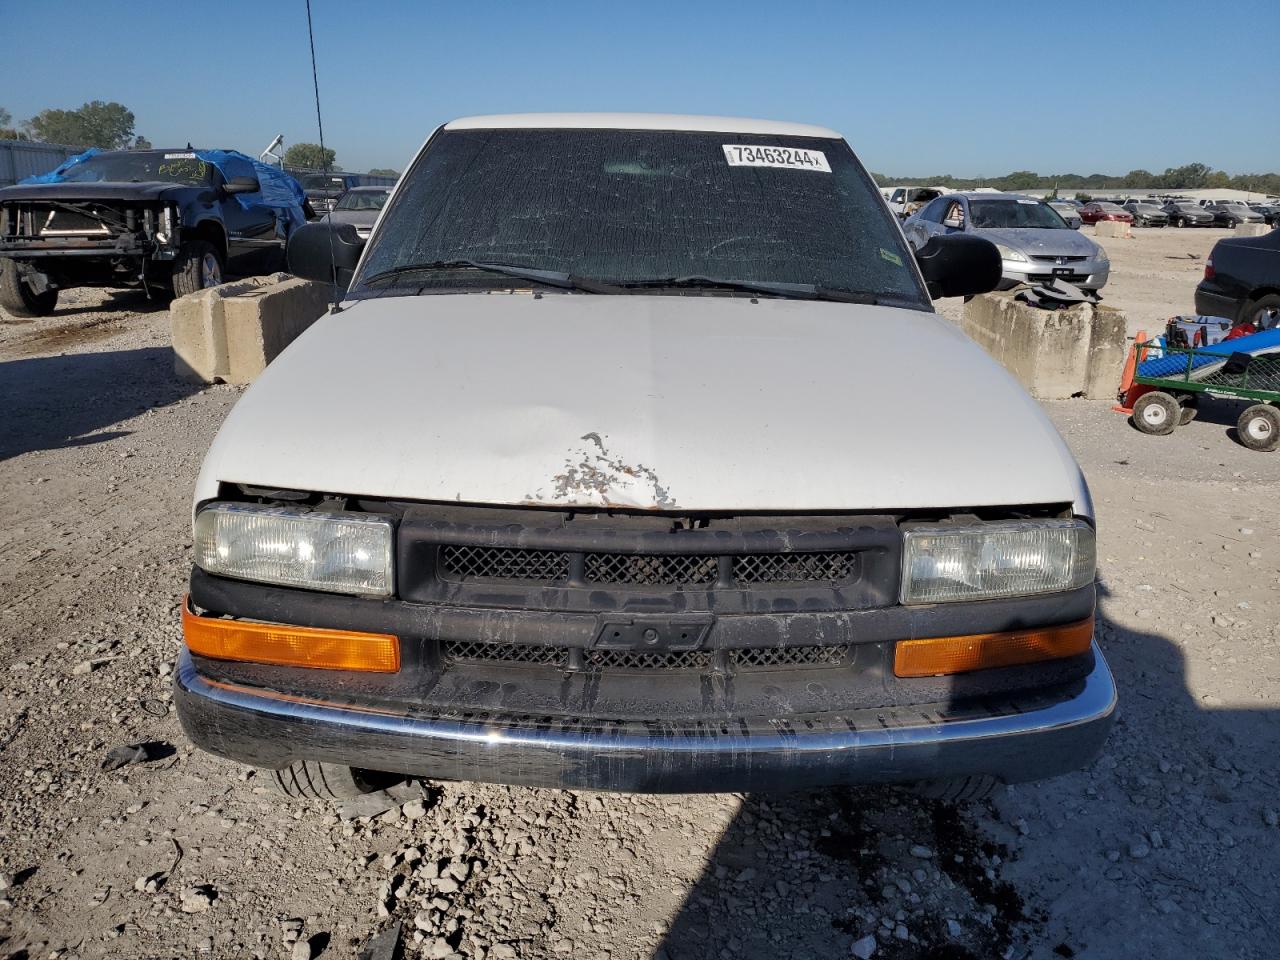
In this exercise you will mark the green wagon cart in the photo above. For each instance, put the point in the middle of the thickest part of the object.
(1177, 378)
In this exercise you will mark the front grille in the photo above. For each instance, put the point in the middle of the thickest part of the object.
(794, 567)
(792, 656)
(1073, 277)
(477, 652)
(641, 660)
(645, 569)
(505, 563)
(1049, 259)
(464, 651)
(651, 569)
(69, 221)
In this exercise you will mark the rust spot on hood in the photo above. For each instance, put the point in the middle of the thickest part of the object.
(592, 476)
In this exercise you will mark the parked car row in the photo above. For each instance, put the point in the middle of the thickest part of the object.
(1180, 212)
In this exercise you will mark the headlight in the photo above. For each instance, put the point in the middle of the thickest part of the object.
(1008, 253)
(337, 552)
(1001, 559)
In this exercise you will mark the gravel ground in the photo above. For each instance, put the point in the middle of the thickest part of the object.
(1166, 846)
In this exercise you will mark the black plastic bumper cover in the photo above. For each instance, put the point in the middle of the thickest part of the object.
(1021, 738)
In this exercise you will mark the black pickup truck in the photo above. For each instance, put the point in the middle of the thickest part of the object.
(169, 221)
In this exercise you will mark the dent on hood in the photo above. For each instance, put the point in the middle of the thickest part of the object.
(594, 477)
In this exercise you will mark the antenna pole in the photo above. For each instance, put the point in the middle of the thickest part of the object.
(324, 157)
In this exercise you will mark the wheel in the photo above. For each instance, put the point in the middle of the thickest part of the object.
(1156, 413)
(956, 791)
(1180, 222)
(1259, 427)
(18, 299)
(1263, 313)
(313, 780)
(199, 265)
(1189, 412)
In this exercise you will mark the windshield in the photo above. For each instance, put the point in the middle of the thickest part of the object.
(140, 167)
(1110, 208)
(362, 200)
(989, 214)
(639, 206)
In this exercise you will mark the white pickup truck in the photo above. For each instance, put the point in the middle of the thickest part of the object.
(614, 471)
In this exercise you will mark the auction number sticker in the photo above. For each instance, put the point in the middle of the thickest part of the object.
(785, 158)
(179, 156)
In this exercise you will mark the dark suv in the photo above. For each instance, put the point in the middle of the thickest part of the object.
(169, 220)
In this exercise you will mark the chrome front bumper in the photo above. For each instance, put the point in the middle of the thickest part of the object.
(1027, 737)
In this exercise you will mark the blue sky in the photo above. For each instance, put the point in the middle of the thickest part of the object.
(965, 88)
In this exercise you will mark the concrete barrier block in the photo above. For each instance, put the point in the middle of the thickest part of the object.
(230, 333)
(1054, 354)
(1107, 351)
(1112, 228)
(260, 323)
(1252, 229)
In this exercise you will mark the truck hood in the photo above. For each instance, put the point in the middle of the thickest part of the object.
(643, 402)
(1049, 242)
(98, 190)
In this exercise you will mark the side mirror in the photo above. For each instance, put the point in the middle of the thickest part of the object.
(959, 265)
(242, 185)
(325, 251)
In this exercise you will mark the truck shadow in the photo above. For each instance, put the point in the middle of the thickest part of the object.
(1106, 862)
(65, 401)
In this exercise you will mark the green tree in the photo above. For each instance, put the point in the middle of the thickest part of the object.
(1192, 176)
(141, 143)
(7, 130)
(1020, 180)
(384, 172)
(310, 156)
(1138, 178)
(108, 126)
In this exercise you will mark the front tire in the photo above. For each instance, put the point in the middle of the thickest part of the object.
(314, 780)
(18, 299)
(960, 790)
(198, 266)
(1157, 413)
(1259, 427)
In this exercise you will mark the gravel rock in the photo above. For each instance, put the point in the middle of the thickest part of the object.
(865, 948)
(197, 899)
(921, 852)
(414, 810)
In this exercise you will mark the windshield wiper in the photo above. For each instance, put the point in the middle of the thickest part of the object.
(551, 278)
(797, 291)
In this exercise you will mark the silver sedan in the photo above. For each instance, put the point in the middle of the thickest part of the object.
(1035, 243)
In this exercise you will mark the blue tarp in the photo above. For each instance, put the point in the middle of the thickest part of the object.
(1175, 365)
(56, 174)
(279, 190)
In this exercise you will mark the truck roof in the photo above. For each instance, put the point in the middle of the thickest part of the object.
(639, 121)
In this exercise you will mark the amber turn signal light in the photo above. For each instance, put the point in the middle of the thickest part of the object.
(939, 656)
(289, 646)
